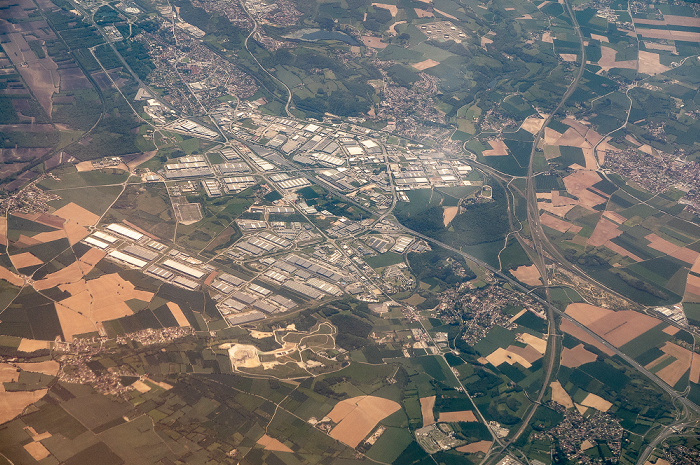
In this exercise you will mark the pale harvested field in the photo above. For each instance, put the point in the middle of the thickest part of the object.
(603, 232)
(695, 370)
(37, 450)
(527, 274)
(616, 217)
(48, 367)
(596, 402)
(425, 64)
(50, 236)
(599, 37)
(570, 328)
(607, 60)
(25, 259)
(26, 241)
(110, 288)
(696, 266)
(560, 396)
(177, 313)
(559, 200)
(3, 230)
(454, 417)
(373, 42)
(593, 137)
(95, 301)
(568, 56)
(72, 322)
(527, 353)
(551, 136)
(573, 358)
(662, 245)
(670, 330)
(675, 371)
(8, 374)
(92, 257)
(474, 447)
(683, 36)
(448, 214)
(141, 386)
(78, 214)
(555, 223)
(539, 344)
(32, 345)
(485, 41)
(498, 149)
(271, 443)
(502, 355)
(646, 148)
(693, 284)
(426, 410)
(423, 13)
(589, 156)
(392, 31)
(14, 403)
(650, 63)
(10, 277)
(656, 46)
(692, 293)
(558, 211)
(70, 274)
(393, 9)
(622, 251)
(77, 218)
(357, 417)
(533, 124)
(573, 138)
(547, 37)
(577, 184)
(577, 125)
(622, 326)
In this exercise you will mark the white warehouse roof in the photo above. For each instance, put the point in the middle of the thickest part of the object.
(124, 231)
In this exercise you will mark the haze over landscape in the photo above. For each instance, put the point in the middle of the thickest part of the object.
(338, 232)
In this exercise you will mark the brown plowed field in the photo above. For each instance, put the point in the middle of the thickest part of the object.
(603, 232)
(573, 358)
